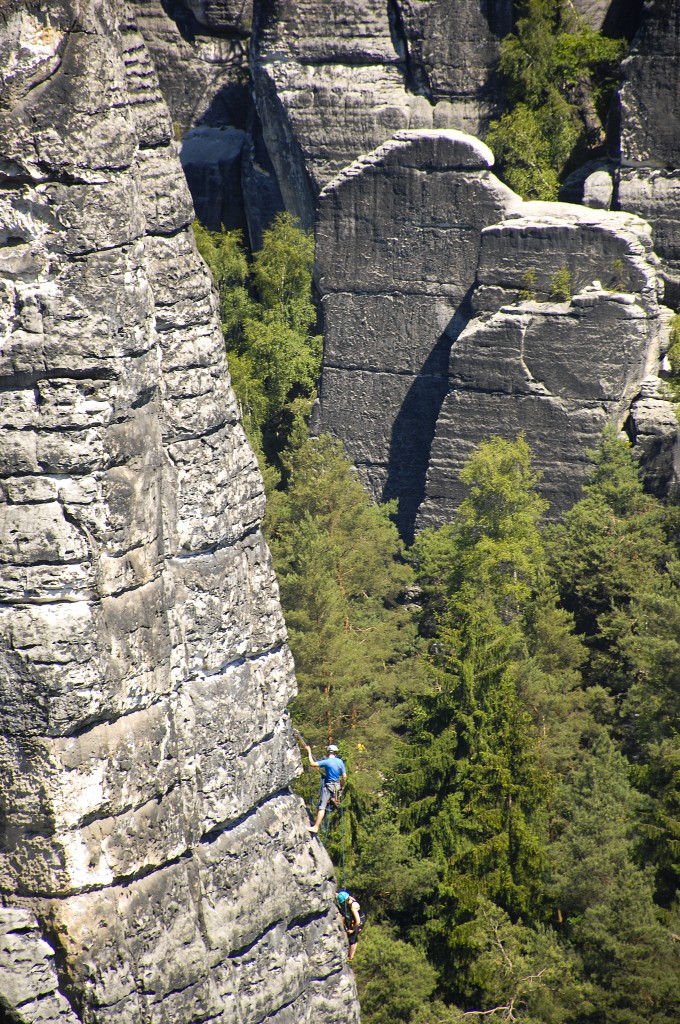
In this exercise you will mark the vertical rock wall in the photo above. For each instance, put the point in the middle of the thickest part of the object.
(423, 256)
(557, 369)
(331, 81)
(335, 80)
(649, 181)
(145, 752)
(397, 248)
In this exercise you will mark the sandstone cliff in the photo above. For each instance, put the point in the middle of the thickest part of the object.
(330, 81)
(398, 243)
(154, 865)
(443, 327)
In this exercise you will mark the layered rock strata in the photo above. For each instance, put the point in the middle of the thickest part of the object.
(397, 250)
(145, 751)
(649, 179)
(335, 80)
(423, 257)
(452, 53)
(556, 368)
(331, 81)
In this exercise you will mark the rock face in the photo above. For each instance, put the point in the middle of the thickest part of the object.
(29, 990)
(452, 49)
(331, 80)
(649, 182)
(422, 257)
(145, 752)
(203, 74)
(335, 80)
(558, 371)
(397, 249)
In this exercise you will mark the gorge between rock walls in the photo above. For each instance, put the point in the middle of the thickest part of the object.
(154, 864)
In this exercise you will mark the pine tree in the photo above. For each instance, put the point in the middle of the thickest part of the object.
(343, 582)
(472, 787)
(630, 960)
(613, 546)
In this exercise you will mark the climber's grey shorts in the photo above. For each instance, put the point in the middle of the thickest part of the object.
(329, 791)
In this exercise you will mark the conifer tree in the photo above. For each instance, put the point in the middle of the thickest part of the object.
(631, 963)
(613, 546)
(267, 318)
(473, 789)
(343, 582)
(617, 570)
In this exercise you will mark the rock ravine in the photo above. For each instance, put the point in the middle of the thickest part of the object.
(154, 865)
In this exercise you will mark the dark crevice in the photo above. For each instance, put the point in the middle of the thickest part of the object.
(208, 838)
(623, 18)
(214, 549)
(94, 816)
(416, 78)
(190, 28)
(68, 987)
(24, 381)
(344, 60)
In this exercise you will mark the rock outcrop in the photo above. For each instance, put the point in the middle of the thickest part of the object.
(649, 180)
(556, 368)
(397, 249)
(200, 53)
(148, 834)
(423, 258)
(331, 81)
(452, 53)
(336, 80)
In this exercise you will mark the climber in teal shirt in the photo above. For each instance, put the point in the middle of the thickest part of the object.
(333, 781)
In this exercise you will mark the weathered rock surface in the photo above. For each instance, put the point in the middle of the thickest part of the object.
(452, 51)
(145, 749)
(422, 255)
(650, 134)
(29, 989)
(397, 249)
(653, 428)
(333, 81)
(556, 372)
(203, 74)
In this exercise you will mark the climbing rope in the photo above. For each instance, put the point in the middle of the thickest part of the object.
(342, 843)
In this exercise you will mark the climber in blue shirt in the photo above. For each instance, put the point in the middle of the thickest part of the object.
(333, 781)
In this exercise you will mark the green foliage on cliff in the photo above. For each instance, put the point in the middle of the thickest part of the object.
(268, 318)
(559, 76)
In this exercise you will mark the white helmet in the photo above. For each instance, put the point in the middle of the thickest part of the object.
(332, 749)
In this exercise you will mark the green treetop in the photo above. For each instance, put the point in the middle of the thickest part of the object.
(559, 77)
(472, 788)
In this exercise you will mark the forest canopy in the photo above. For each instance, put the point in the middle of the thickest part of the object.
(505, 694)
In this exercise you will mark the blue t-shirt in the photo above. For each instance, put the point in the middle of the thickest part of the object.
(332, 767)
